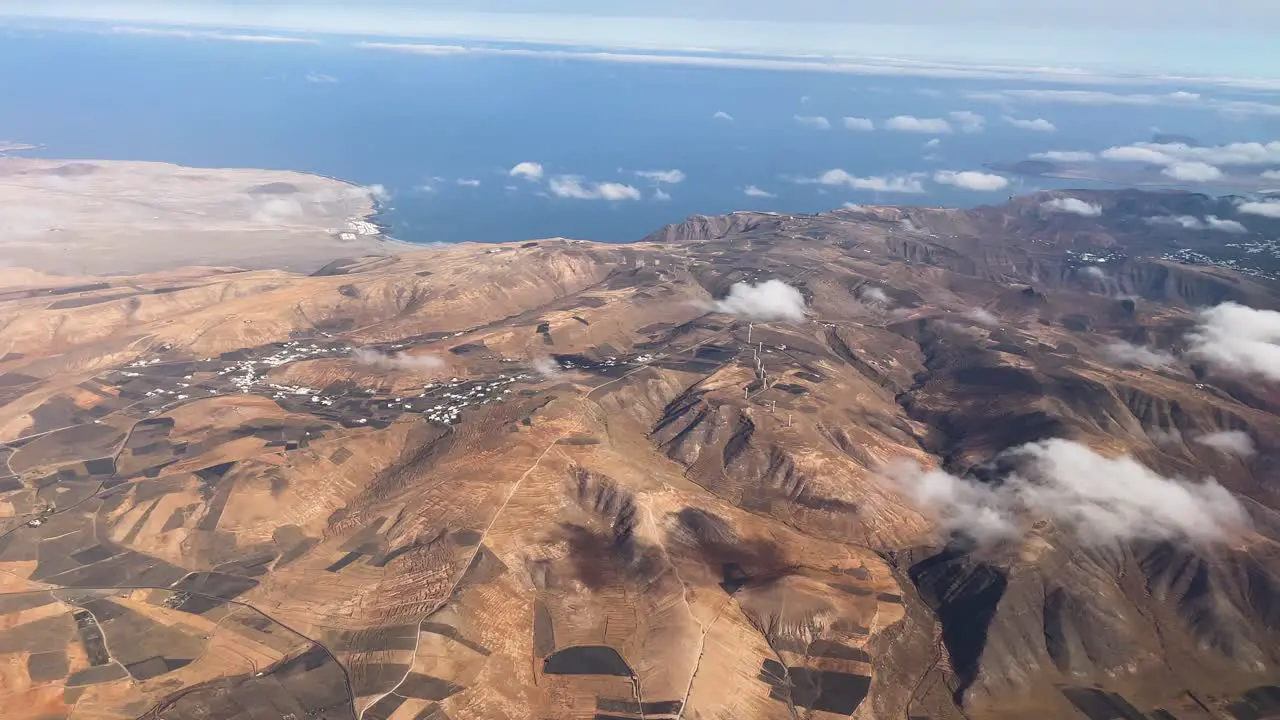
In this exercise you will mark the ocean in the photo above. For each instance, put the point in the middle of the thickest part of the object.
(441, 132)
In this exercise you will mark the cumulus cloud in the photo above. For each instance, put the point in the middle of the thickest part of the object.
(1265, 208)
(1193, 172)
(399, 361)
(1191, 222)
(1195, 159)
(1036, 125)
(284, 209)
(1120, 352)
(722, 115)
(1230, 442)
(858, 124)
(671, 177)
(770, 300)
(1067, 156)
(547, 368)
(875, 183)
(1238, 340)
(1134, 153)
(755, 192)
(575, 188)
(1164, 438)
(875, 296)
(1271, 175)
(982, 317)
(1100, 500)
(1213, 222)
(278, 211)
(530, 171)
(1073, 206)
(971, 180)
(969, 122)
(817, 122)
(910, 123)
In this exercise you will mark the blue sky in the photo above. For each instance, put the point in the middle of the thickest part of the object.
(1226, 37)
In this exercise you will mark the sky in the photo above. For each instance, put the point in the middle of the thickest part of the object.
(1226, 37)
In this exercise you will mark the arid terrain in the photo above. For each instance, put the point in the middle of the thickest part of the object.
(124, 218)
(873, 463)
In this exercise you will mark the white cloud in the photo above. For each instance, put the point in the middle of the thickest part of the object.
(882, 67)
(1265, 208)
(1134, 153)
(270, 39)
(278, 211)
(1213, 222)
(1192, 172)
(671, 177)
(969, 121)
(321, 78)
(531, 171)
(875, 296)
(376, 192)
(910, 123)
(575, 188)
(853, 206)
(1238, 340)
(1100, 500)
(399, 361)
(722, 115)
(468, 182)
(971, 180)
(1190, 222)
(1067, 156)
(817, 122)
(1241, 154)
(982, 317)
(201, 35)
(770, 300)
(875, 183)
(1163, 437)
(661, 195)
(1271, 175)
(1037, 125)
(1074, 206)
(755, 192)
(933, 143)
(858, 124)
(1092, 97)
(547, 368)
(1231, 442)
(1120, 352)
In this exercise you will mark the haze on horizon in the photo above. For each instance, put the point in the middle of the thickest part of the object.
(1233, 37)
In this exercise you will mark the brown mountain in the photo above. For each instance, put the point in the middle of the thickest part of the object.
(563, 479)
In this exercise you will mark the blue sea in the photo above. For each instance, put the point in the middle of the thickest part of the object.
(409, 122)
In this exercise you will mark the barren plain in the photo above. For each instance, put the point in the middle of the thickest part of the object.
(125, 218)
